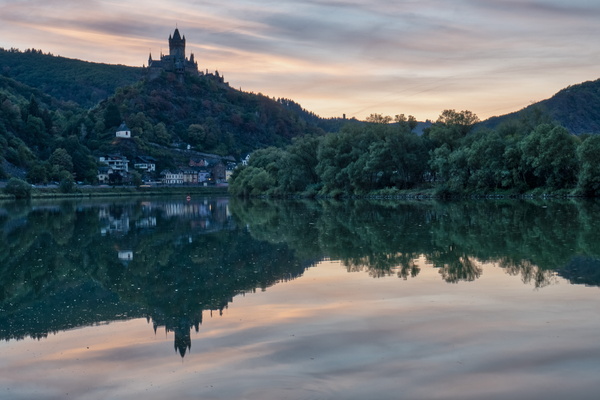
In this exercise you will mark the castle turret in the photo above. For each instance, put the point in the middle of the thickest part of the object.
(177, 46)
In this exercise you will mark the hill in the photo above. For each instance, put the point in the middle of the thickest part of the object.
(49, 103)
(203, 112)
(576, 107)
(82, 82)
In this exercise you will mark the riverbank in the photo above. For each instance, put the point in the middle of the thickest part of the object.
(434, 193)
(121, 191)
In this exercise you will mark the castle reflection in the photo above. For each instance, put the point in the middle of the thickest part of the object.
(70, 264)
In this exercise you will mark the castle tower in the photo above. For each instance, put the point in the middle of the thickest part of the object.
(177, 46)
(175, 62)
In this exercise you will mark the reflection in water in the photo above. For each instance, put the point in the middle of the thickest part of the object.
(84, 263)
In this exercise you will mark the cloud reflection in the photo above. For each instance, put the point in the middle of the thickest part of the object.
(375, 338)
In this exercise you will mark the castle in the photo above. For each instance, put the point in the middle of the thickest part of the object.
(176, 62)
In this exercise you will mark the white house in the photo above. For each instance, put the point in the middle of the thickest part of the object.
(145, 163)
(246, 160)
(104, 174)
(116, 163)
(123, 131)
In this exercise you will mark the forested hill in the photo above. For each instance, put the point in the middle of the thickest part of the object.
(45, 108)
(82, 82)
(203, 112)
(576, 107)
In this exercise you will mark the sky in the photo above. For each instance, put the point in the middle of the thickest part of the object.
(336, 57)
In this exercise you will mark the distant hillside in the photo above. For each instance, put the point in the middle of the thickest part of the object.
(576, 107)
(84, 83)
(203, 112)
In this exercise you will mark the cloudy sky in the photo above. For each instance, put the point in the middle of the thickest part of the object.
(337, 57)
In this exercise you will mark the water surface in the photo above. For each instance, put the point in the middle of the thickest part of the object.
(224, 299)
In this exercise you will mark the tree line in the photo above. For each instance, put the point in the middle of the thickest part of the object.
(455, 156)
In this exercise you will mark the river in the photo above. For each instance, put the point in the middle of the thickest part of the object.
(218, 298)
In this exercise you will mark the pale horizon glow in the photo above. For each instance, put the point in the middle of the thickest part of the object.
(337, 57)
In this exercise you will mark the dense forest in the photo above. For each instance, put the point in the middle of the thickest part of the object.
(455, 156)
(576, 108)
(68, 80)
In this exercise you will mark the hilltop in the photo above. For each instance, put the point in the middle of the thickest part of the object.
(82, 82)
(577, 108)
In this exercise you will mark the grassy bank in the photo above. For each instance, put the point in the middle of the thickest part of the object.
(41, 193)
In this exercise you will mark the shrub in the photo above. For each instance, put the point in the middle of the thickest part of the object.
(18, 188)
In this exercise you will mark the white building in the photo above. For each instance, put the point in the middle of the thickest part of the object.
(172, 178)
(145, 163)
(116, 163)
(123, 131)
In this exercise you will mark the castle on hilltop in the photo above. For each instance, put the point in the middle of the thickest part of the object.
(176, 62)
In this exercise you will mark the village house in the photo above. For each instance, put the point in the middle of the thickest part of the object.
(113, 169)
(190, 176)
(145, 163)
(198, 162)
(116, 163)
(104, 174)
(229, 168)
(172, 178)
(123, 132)
(203, 175)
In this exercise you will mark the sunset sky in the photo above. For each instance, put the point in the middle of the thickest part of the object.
(339, 57)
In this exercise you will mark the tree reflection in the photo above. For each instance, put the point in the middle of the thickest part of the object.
(533, 239)
(70, 264)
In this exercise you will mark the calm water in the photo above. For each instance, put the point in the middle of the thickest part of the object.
(223, 299)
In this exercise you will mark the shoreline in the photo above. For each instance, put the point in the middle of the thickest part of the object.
(95, 192)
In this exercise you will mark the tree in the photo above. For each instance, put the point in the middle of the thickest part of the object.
(549, 157)
(161, 134)
(18, 188)
(33, 108)
(409, 123)
(379, 119)
(60, 158)
(67, 183)
(451, 126)
(463, 119)
(196, 135)
(112, 116)
(588, 180)
(136, 178)
(297, 171)
(37, 173)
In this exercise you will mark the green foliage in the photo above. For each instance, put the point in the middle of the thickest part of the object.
(84, 83)
(112, 116)
(18, 188)
(202, 112)
(251, 181)
(38, 173)
(61, 160)
(453, 157)
(549, 157)
(451, 126)
(136, 178)
(589, 175)
(354, 161)
(67, 183)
